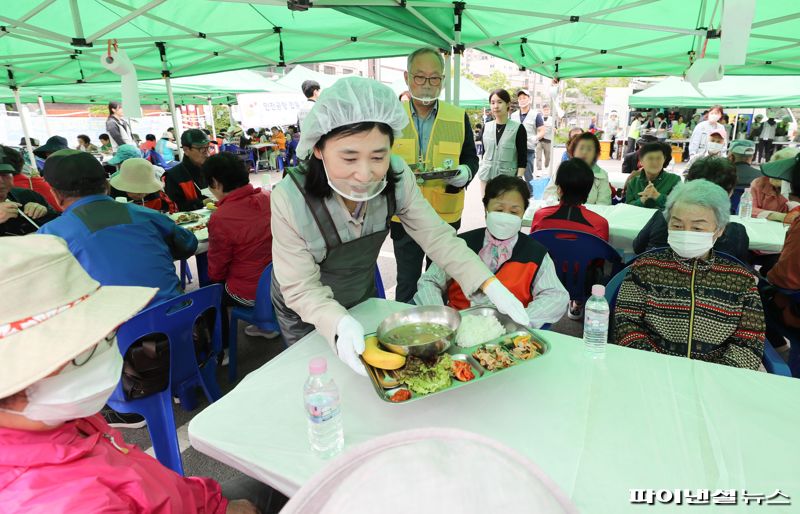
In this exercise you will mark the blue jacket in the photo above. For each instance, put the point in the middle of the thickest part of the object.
(124, 244)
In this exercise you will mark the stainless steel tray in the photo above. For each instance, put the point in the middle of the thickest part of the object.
(385, 392)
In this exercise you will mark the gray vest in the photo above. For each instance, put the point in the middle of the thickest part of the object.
(499, 157)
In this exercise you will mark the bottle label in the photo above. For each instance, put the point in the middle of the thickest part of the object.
(321, 414)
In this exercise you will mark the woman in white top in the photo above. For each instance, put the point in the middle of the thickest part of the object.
(699, 140)
(330, 218)
(505, 142)
(587, 148)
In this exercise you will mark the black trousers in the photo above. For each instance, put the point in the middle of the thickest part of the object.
(409, 256)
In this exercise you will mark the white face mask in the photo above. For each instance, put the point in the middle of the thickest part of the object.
(690, 244)
(715, 148)
(77, 391)
(503, 225)
(355, 190)
(713, 118)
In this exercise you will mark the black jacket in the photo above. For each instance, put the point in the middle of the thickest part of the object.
(734, 240)
(630, 162)
(183, 183)
(19, 226)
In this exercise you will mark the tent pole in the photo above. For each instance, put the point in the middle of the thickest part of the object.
(457, 49)
(735, 125)
(447, 77)
(44, 114)
(162, 49)
(213, 126)
(24, 121)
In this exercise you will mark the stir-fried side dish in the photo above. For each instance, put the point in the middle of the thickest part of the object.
(493, 358)
(525, 348)
(186, 217)
(462, 371)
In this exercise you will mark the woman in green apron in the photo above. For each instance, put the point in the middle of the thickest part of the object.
(330, 217)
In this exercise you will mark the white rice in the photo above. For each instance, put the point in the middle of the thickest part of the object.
(475, 329)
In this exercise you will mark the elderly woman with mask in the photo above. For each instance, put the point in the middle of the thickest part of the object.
(331, 215)
(520, 263)
(688, 300)
(59, 364)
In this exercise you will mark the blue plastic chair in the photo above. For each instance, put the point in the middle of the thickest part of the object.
(381, 293)
(158, 159)
(186, 274)
(175, 318)
(776, 324)
(572, 252)
(612, 288)
(262, 315)
(245, 154)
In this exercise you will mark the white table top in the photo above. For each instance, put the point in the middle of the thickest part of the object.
(626, 221)
(598, 428)
(262, 145)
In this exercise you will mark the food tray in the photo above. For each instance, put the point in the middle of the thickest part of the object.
(432, 174)
(385, 391)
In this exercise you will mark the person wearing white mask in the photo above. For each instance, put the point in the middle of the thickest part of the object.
(699, 142)
(59, 364)
(519, 262)
(715, 147)
(331, 216)
(689, 300)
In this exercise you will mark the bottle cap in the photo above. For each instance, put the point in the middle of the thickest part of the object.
(317, 366)
(598, 290)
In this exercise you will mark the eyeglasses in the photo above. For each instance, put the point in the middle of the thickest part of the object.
(434, 81)
(86, 355)
(201, 149)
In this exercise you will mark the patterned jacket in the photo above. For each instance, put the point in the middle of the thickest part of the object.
(702, 309)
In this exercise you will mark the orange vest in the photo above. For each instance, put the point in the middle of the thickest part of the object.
(516, 274)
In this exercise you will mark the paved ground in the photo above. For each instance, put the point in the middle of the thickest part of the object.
(254, 352)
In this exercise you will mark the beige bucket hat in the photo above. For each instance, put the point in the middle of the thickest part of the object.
(52, 309)
(136, 176)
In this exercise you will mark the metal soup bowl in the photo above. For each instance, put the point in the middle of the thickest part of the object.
(426, 314)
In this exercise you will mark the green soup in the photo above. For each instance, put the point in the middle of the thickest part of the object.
(417, 333)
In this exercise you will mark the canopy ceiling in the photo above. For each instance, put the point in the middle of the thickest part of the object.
(592, 38)
(41, 41)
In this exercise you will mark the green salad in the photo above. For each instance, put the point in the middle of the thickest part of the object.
(422, 378)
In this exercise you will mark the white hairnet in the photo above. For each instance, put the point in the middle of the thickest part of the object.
(350, 100)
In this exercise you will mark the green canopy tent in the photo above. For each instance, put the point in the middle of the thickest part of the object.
(472, 96)
(575, 38)
(731, 91)
(51, 42)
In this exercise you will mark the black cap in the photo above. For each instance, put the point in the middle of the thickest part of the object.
(6, 162)
(53, 144)
(70, 170)
(194, 137)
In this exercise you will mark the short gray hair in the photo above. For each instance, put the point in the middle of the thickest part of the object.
(422, 51)
(704, 193)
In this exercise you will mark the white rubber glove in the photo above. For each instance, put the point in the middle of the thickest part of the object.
(462, 178)
(507, 303)
(350, 343)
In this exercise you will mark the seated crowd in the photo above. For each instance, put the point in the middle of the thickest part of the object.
(692, 294)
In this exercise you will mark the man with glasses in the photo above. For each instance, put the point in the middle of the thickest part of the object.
(438, 136)
(184, 182)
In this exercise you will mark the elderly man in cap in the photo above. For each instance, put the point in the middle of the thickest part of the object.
(52, 145)
(184, 182)
(117, 244)
(740, 153)
(311, 90)
(534, 128)
(22, 211)
(59, 364)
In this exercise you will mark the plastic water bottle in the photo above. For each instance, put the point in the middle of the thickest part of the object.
(595, 324)
(266, 182)
(746, 205)
(321, 398)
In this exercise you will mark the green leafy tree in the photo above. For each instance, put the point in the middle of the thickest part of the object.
(222, 117)
(497, 80)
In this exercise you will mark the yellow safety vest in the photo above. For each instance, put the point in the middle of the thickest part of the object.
(445, 143)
